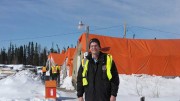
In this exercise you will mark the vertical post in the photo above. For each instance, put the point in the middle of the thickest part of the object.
(133, 36)
(87, 37)
(124, 30)
(142, 98)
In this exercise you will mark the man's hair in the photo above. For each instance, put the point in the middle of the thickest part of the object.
(94, 40)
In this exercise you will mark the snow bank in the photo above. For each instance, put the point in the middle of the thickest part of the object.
(149, 86)
(67, 84)
(22, 85)
(26, 86)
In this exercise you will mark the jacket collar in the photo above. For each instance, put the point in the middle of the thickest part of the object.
(100, 57)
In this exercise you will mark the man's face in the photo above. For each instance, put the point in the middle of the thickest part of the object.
(94, 48)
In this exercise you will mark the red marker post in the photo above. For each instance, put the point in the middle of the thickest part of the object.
(50, 89)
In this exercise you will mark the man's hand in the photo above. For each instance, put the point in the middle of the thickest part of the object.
(81, 99)
(113, 98)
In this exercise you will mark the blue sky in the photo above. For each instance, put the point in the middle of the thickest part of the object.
(56, 21)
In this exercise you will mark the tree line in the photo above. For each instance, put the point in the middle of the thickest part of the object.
(31, 54)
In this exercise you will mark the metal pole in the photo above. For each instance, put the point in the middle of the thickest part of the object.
(142, 98)
(124, 30)
(87, 37)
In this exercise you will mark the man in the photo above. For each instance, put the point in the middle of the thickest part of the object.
(43, 73)
(58, 75)
(97, 76)
(53, 72)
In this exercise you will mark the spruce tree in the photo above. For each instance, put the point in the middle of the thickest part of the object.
(36, 56)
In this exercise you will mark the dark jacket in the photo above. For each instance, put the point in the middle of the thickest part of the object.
(99, 88)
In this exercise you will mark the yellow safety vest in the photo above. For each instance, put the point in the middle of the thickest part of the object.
(85, 68)
(59, 68)
(43, 69)
(54, 69)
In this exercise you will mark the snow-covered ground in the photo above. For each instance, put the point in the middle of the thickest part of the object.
(26, 86)
(154, 88)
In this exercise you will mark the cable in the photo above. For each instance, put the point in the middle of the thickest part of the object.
(59, 34)
(103, 28)
(155, 30)
(38, 37)
(107, 27)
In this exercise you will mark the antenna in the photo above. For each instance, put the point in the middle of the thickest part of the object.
(124, 30)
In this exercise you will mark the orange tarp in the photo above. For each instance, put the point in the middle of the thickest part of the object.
(141, 56)
(69, 54)
(58, 58)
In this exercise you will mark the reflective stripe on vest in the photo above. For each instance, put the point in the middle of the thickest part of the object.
(82, 62)
(58, 68)
(54, 69)
(108, 66)
(84, 73)
(43, 69)
(85, 68)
